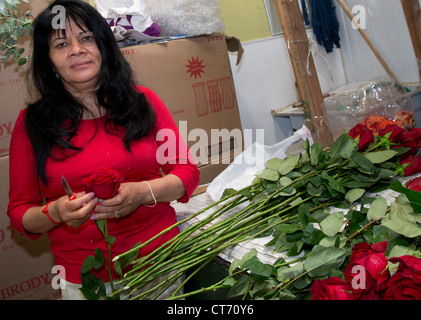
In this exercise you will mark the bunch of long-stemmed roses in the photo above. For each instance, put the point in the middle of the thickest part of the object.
(315, 207)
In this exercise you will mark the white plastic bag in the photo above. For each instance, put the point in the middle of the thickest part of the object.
(127, 17)
(186, 17)
(241, 172)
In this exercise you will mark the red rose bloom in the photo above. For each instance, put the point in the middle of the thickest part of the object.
(333, 288)
(409, 265)
(414, 184)
(372, 260)
(363, 133)
(363, 249)
(396, 135)
(104, 183)
(412, 138)
(414, 166)
(405, 284)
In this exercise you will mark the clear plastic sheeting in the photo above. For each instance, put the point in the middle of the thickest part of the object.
(186, 17)
(352, 104)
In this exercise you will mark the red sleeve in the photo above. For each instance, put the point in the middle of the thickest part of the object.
(174, 155)
(24, 191)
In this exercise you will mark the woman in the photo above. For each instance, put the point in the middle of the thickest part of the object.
(89, 115)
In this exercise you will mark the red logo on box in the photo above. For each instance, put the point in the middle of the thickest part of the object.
(195, 67)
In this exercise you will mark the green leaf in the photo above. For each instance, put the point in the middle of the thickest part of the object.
(311, 235)
(362, 162)
(339, 241)
(378, 209)
(414, 197)
(332, 223)
(380, 156)
(323, 259)
(287, 228)
(110, 240)
(124, 261)
(287, 165)
(258, 269)
(289, 272)
(233, 266)
(316, 154)
(88, 264)
(240, 287)
(354, 194)
(274, 164)
(92, 287)
(304, 215)
(332, 183)
(347, 149)
(93, 262)
(268, 174)
(337, 145)
(227, 192)
(22, 61)
(406, 228)
(314, 191)
(101, 225)
(252, 253)
(89, 281)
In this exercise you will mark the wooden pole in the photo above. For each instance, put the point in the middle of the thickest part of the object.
(304, 69)
(368, 40)
(412, 11)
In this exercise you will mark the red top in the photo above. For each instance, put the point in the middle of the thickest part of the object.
(71, 246)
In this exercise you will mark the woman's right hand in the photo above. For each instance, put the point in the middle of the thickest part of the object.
(73, 212)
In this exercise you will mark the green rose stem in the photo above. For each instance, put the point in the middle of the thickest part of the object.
(364, 228)
(188, 262)
(196, 245)
(193, 243)
(109, 269)
(242, 232)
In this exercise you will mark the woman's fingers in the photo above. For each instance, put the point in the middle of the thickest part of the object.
(77, 211)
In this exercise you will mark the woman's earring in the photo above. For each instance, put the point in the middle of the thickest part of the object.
(58, 77)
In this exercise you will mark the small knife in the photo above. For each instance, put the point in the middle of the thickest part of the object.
(67, 188)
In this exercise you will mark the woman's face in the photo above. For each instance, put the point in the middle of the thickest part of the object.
(75, 57)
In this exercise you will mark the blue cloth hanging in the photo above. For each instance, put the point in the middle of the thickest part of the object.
(305, 12)
(325, 23)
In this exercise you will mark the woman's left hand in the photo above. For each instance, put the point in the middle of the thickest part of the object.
(130, 196)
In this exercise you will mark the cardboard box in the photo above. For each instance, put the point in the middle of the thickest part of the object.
(193, 78)
(26, 265)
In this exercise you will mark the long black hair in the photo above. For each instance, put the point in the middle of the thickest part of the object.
(53, 119)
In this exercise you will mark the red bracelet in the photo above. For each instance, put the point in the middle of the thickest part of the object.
(45, 210)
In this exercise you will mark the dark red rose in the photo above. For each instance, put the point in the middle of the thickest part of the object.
(373, 269)
(364, 134)
(409, 265)
(333, 288)
(403, 287)
(414, 184)
(396, 135)
(412, 138)
(362, 249)
(413, 165)
(104, 183)
(405, 283)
